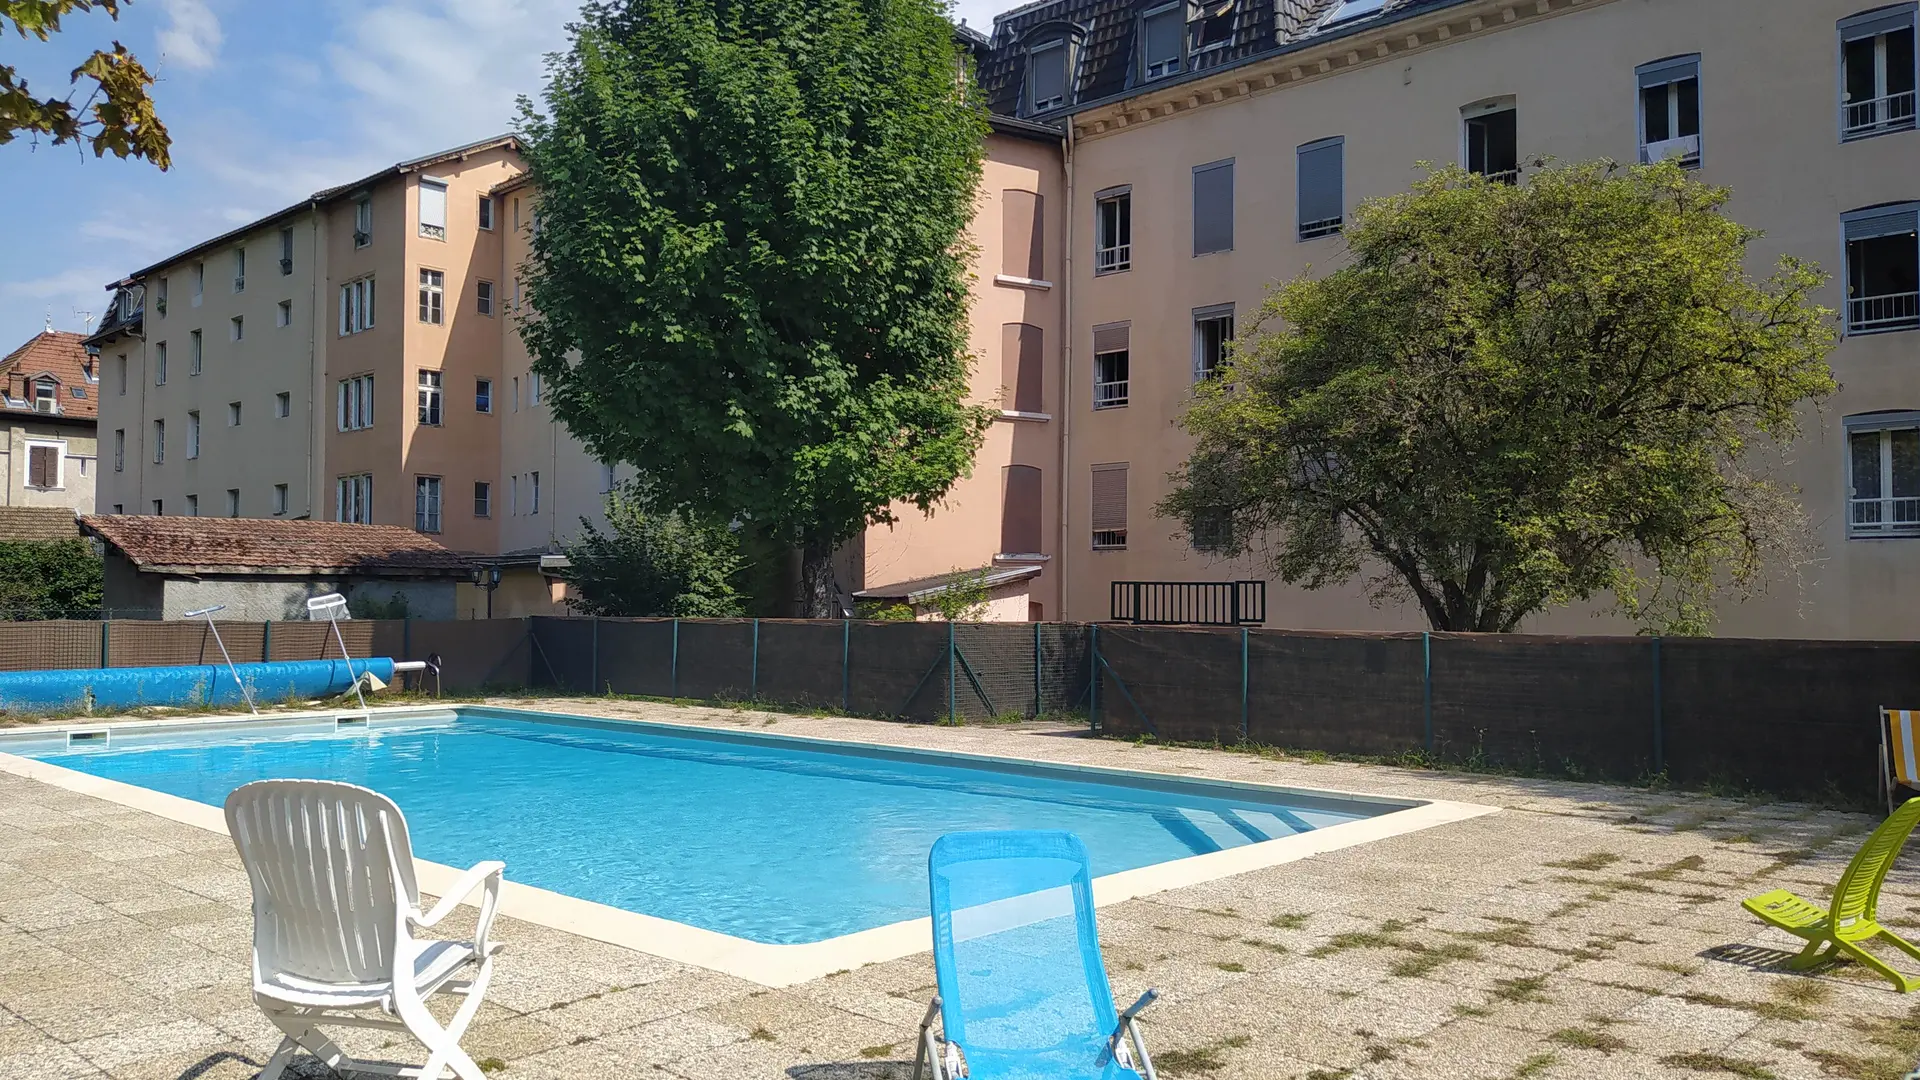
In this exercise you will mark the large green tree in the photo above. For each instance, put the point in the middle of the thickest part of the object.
(652, 564)
(749, 268)
(116, 116)
(1513, 397)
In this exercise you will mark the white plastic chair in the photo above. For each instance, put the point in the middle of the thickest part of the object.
(335, 907)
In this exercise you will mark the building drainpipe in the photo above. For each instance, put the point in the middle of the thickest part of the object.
(1066, 379)
(315, 391)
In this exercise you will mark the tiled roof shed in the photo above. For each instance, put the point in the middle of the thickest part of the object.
(267, 547)
(37, 523)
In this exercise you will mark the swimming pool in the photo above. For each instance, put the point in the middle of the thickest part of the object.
(775, 840)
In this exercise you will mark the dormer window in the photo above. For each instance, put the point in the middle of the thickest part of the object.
(1047, 76)
(1163, 38)
(46, 396)
(1211, 32)
(1353, 9)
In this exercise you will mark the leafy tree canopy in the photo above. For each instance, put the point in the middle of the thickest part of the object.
(749, 270)
(1514, 397)
(117, 116)
(654, 564)
(49, 579)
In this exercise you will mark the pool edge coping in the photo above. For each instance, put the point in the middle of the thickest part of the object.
(765, 964)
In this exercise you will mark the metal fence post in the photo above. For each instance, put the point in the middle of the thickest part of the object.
(1659, 719)
(673, 673)
(753, 677)
(594, 665)
(952, 674)
(846, 665)
(106, 632)
(1426, 694)
(1243, 681)
(266, 642)
(1093, 676)
(1036, 669)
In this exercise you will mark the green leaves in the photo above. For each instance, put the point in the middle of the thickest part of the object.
(657, 565)
(1518, 397)
(117, 116)
(749, 271)
(49, 579)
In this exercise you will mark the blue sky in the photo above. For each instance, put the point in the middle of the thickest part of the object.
(267, 101)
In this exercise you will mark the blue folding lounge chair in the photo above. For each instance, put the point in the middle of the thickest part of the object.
(1023, 991)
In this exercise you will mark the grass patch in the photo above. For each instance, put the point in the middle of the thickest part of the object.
(1198, 1060)
(1526, 989)
(1582, 1039)
(1222, 912)
(1802, 991)
(1517, 935)
(1771, 1010)
(1425, 958)
(1671, 967)
(1472, 1010)
(1534, 1066)
(1701, 1062)
(1229, 965)
(1288, 921)
(491, 1065)
(761, 1034)
(1900, 1043)
(1598, 860)
(871, 1052)
(1671, 870)
(1328, 1074)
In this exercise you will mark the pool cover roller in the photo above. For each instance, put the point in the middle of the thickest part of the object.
(186, 685)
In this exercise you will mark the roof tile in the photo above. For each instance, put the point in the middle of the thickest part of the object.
(273, 546)
(60, 353)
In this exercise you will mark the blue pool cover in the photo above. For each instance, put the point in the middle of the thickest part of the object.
(182, 685)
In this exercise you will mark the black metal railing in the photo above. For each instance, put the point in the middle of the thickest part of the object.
(1188, 603)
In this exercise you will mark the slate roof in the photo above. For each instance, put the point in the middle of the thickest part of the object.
(61, 354)
(1107, 31)
(273, 547)
(35, 523)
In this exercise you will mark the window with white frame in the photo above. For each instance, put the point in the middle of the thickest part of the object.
(160, 363)
(193, 506)
(193, 434)
(282, 405)
(607, 477)
(46, 396)
(1163, 38)
(240, 269)
(238, 328)
(426, 503)
(233, 502)
(119, 449)
(1348, 10)
(1212, 338)
(513, 495)
(1113, 230)
(159, 508)
(1210, 33)
(286, 251)
(482, 499)
(356, 306)
(429, 397)
(483, 395)
(1883, 474)
(1883, 268)
(433, 209)
(1321, 187)
(484, 297)
(161, 302)
(362, 221)
(233, 414)
(1877, 72)
(486, 212)
(1111, 344)
(354, 408)
(1670, 110)
(199, 282)
(1047, 76)
(516, 393)
(1492, 134)
(196, 351)
(433, 286)
(159, 442)
(120, 370)
(533, 492)
(533, 388)
(280, 498)
(283, 313)
(353, 499)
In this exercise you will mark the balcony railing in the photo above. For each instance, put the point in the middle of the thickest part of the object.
(1884, 517)
(1888, 311)
(1686, 149)
(1504, 176)
(1110, 260)
(1313, 230)
(1110, 395)
(1188, 603)
(433, 232)
(1877, 116)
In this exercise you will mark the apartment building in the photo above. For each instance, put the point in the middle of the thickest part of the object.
(48, 446)
(1217, 148)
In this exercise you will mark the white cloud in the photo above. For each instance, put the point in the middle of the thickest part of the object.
(60, 297)
(192, 36)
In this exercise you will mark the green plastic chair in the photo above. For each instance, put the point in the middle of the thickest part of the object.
(1850, 923)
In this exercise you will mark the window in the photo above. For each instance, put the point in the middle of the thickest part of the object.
(483, 395)
(233, 502)
(43, 464)
(233, 414)
(516, 296)
(1163, 36)
(280, 497)
(1877, 73)
(356, 306)
(362, 221)
(516, 393)
(1321, 187)
(430, 397)
(533, 389)
(1883, 268)
(482, 499)
(193, 434)
(607, 477)
(159, 441)
(1211, 32)
(283, 313)
(1213, 207)
(160, 364)
(1110, 506)
(1493, 140)
(161, 302)
(513, 495)
(1110, 346)
(239, 325)
(119, 449)
(1212, 335)
(282, 405)
(433, 209)
(353, 499)
(426, 503)
(199, 282)
(1022, 367)
(193, 506)
(1020, 517)
(120, 368)
(119, 508)
(1113, 230)
(533, 493)
(484, 297)
(1670, 110)
(1352, 9)
(1022, 235)
(432, 286)
(1883, 472)
(196, 351)
(354, 409)
(1047, 77)
(46, 396)
(286, 252)
(239, 269)
(159, 508)
(486, 212)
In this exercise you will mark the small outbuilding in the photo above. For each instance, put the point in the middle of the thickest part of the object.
(265, 568)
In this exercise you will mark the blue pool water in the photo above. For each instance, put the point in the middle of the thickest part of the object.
(754, 837)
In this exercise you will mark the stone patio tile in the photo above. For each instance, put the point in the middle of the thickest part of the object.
(1665, 1025)
(669, 1039)
(82, 1011)
(581, 1061)
(145, 1042)
(52, 1061)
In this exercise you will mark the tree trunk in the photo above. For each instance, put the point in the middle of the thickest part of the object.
(817, 599)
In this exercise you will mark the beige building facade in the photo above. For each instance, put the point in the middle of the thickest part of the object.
(48, 447)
